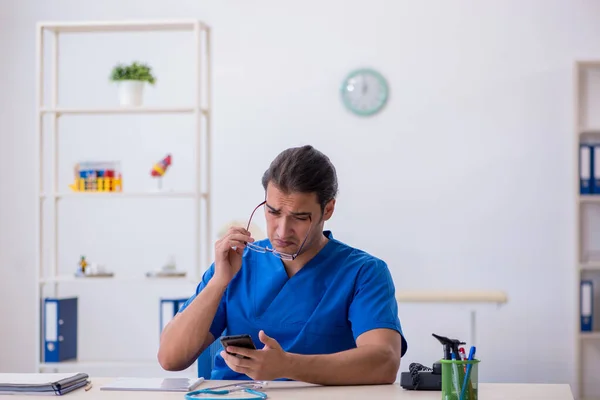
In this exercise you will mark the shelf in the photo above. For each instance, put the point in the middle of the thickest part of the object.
(121, 195)
(116, 278)
(589, 63)
(52, 190)
(121, 26)
(590, 266)
(589, 131)
(99, 364)
(121, 110)
(445, 296)
(112, 365)
(589, 335)
(589, 198)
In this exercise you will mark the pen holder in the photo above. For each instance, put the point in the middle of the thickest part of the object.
(457, 374)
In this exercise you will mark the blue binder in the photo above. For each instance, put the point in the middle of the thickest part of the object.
(586, 306)
(586, 165)
(60, 329)
(595, 168)
(168, 309)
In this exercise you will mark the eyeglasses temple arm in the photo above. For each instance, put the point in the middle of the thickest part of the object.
(304, 241)
(251, 215)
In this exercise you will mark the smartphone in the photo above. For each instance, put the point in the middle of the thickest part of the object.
(244, 341)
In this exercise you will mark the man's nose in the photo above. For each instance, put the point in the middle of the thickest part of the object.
(284, 228)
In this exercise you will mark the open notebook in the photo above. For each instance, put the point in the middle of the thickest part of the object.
(52, 384)
(154, 384)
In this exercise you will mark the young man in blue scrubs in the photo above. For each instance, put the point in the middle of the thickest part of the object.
(317, 309)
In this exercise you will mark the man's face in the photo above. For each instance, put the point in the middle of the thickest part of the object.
(290, 216)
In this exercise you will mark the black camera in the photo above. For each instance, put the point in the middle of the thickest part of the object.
(420, 377)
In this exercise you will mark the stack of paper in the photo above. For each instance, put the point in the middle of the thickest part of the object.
(57, 384)
(154, 384)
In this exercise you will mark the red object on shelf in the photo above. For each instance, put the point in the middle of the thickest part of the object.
(161, 167)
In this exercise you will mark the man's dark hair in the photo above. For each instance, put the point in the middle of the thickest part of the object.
(305, 170)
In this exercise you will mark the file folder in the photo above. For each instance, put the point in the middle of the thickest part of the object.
(586, 161)
(60, 329)
(42, 383)
(168, 309)
(595, 167)
(587, 305)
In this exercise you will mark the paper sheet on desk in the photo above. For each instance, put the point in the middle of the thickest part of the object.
(154, 384)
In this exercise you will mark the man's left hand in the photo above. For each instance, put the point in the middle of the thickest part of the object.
(269, 363)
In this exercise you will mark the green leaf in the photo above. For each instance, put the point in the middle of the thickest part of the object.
(135, 71)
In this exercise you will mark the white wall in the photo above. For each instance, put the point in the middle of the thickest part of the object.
(464, 181)
(16, 275)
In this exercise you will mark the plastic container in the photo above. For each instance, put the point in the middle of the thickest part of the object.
(455, 375)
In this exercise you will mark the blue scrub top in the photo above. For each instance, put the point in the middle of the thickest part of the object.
(339, 294)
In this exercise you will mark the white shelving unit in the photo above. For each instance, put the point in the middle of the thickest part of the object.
(122, 110)
(587, 264)
(48, 276)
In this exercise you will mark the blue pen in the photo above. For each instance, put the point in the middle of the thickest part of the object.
(471, 357)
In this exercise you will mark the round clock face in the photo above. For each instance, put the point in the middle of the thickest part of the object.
(364, 92)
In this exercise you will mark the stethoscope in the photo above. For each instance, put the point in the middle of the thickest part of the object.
(248, 387)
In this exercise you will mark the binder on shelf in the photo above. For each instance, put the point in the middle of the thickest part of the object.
(168, 309)
(586, 164)
(587, 305)
(60, 329)
(595, 167)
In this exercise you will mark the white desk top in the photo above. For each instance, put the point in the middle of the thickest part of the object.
(302, 391)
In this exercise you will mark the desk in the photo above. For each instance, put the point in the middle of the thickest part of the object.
(302, 391)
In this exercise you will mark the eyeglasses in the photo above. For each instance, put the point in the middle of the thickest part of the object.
(283, 256)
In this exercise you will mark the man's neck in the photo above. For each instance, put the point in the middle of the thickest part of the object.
(293, 266)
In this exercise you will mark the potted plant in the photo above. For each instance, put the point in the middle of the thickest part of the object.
(131, 79)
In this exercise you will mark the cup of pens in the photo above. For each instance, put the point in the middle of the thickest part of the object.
(459, 379)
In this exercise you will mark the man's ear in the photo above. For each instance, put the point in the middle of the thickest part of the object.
(328, 212)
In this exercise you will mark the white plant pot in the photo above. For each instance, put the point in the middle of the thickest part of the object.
(130, 92)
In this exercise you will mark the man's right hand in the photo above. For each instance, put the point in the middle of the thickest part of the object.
(228, 254)
(188, 334)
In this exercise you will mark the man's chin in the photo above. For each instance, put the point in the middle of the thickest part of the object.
(289, 249)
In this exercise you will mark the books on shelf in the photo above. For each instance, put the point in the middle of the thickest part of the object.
(585, 169)
(587, 305)
(60, 329)
(589, 168)
(169, 309)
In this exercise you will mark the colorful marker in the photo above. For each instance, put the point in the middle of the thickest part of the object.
(463, 356)
(467, 375)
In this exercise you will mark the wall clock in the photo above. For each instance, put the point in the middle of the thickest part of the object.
(364, 91)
